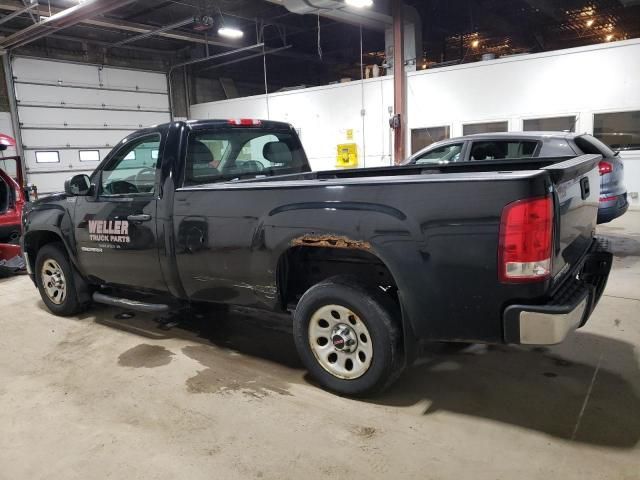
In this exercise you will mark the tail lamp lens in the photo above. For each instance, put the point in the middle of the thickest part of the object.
(526, 241)
(604, 168)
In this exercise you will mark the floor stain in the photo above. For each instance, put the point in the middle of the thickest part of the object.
(561, 362)
(364, 432)
(145, 356)
(218, 377)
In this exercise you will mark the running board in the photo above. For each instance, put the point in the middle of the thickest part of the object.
(131, 304)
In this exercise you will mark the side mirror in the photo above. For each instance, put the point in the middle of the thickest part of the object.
(78, 185)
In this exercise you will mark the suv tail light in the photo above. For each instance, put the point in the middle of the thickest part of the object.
(605, 167)
(526, 240)
(245, 122)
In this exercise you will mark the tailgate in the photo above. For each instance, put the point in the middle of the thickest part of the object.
(576, 185)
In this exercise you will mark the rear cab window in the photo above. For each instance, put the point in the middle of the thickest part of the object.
(500, 149)
(229, 153)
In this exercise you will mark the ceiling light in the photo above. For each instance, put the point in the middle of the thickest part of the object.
(359, 3)
(230, 32)
(590, 22)
(475, 43)
(609, 37)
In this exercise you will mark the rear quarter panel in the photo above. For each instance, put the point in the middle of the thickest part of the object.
(437, 234)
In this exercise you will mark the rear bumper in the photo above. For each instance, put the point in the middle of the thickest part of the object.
(612, 208)
(569, 308)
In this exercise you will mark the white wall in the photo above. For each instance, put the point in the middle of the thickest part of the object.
(580, 81)
(322, 115)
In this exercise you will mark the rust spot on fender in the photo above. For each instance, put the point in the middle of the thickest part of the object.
(330, 241)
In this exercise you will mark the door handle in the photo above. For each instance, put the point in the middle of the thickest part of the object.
(143, 217)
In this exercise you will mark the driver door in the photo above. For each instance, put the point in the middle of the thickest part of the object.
(115, 229)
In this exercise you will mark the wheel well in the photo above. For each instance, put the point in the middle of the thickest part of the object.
(301, 267)
(35, 241)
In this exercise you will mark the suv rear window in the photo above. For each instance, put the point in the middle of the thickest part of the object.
(498, 149)
(592, 145)
(444, 154)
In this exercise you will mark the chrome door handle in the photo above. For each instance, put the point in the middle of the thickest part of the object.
(144, 217)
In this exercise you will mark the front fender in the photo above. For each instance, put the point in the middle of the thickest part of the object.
(45, 221)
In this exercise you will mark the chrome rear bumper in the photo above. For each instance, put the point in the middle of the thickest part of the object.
(538, 328)
(567, 309)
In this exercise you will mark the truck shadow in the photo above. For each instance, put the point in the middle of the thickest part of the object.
(538, 389)
(261, 335)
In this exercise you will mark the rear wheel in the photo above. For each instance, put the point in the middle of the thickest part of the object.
(56, 281)
(348, 337)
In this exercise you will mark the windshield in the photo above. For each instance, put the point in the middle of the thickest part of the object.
(234, 153)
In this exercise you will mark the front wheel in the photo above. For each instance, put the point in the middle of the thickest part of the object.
(348, 337)
(56, 281)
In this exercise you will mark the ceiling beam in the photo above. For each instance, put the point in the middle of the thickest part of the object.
(63, 19)
(17, 13)
(173, 26)
(121, 25)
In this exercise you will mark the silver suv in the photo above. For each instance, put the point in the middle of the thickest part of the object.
(495, 146)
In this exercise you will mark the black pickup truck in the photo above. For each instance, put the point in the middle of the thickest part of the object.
(371, 263)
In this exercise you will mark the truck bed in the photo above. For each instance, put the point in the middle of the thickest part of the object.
(436, 228)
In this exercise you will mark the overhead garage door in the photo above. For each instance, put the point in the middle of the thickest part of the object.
(72, 114)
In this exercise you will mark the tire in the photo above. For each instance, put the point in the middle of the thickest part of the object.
(57, 281)
(333, 314)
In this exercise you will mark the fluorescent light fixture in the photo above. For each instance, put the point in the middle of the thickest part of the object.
(230, 32)
(359, 3)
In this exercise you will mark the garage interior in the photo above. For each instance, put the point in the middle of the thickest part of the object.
(110, 393)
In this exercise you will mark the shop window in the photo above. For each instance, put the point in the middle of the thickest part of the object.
(488, 127)
(47, 157)
(423, 137)
(552, 124)
(620, 130)
(89, 155)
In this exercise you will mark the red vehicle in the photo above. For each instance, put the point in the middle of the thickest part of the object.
(12, 200)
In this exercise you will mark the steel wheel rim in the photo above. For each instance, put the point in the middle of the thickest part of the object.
(332, 328)
(53, 281)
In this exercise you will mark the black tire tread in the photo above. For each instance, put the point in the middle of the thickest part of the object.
(72, 305)
(389, 317)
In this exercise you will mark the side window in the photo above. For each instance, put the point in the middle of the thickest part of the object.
(133, 169)
(440, 155)
(500, 149)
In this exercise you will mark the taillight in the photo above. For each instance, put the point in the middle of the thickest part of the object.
(245, 122)
(605, 167)
(526, 240)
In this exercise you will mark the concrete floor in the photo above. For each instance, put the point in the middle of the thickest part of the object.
(96, 397)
